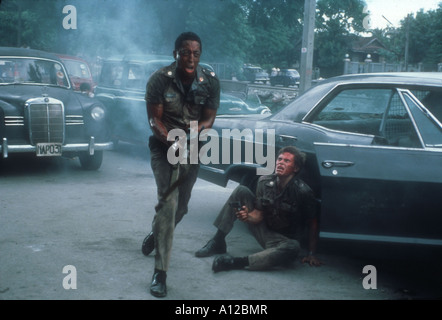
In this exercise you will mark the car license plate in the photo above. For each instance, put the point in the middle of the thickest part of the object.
(48, 149)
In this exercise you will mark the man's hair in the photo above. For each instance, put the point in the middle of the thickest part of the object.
(187, 36)
(299, 155)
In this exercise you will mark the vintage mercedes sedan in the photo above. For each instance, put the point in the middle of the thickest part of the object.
(40, 112)
(374, 154)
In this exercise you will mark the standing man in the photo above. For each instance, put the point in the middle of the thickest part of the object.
(278, 215)
(175, 96)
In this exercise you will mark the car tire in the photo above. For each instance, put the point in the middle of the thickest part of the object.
(91, 162)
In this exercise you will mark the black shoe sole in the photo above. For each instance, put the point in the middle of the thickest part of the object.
(210, 249)
(209, 254)
(158, 294)
(222, 263)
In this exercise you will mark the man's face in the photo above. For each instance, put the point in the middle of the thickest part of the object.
(285, 164)
(188, 57)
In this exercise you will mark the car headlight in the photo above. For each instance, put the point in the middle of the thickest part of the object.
(266, 110)
(97, 113)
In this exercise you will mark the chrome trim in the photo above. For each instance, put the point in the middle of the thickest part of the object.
(380, 238)
(54, 128)
(318, 126)
(89, 147)
(283, 137)
(131, 98)
(11, 121)
(426, 149)
(4, 147)
(401, 93)
(74, 120)
(327, 164)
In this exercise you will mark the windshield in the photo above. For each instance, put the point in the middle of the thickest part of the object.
(292, 73)
(32, 70)
(77, 69)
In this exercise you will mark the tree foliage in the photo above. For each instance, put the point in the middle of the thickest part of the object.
(234, 32)
(424, 33)
(337, 23)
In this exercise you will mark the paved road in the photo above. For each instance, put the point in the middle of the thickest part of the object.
(62, 227)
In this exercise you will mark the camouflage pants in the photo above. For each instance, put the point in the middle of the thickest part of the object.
(171, 208)
(278, 249)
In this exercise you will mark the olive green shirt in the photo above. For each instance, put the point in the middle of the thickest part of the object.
(180, 107)
(288, 210)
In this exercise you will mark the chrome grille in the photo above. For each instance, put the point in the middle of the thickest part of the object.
(46, 120)
(73, 120)
(11, 121)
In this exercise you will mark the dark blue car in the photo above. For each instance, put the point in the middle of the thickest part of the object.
(286, 78)
(41, 114)
(374, 154)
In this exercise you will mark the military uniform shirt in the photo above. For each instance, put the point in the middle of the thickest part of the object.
(181, 107)
(287, 211)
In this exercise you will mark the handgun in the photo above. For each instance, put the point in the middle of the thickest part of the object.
(236, 205)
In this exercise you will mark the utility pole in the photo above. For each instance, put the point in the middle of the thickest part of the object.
(307, 45)
(407, 40)
(19, 23)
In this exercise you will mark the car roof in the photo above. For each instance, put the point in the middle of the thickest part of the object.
(69, 57)
(150, 59)
(140, 58)
(397, 79)
(406, 78)
(23, 52)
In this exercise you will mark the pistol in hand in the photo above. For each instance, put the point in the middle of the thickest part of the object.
(236, 205)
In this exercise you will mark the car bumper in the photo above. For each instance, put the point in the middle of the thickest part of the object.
(90, 147)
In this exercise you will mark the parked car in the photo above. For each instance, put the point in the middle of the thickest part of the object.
(374, 154)
(41, 114)
(286, 77)
(79, 73)
(255, 74)
(232, 105)
(122, 87)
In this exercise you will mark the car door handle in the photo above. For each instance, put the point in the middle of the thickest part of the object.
(327, 164)
(283, 137)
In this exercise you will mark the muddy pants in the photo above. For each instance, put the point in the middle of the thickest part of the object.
(278, 249)
(171, 209)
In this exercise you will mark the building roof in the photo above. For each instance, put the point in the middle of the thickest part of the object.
(367, 45)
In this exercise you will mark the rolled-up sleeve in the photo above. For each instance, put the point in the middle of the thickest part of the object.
(154, 93)
(214, 95)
